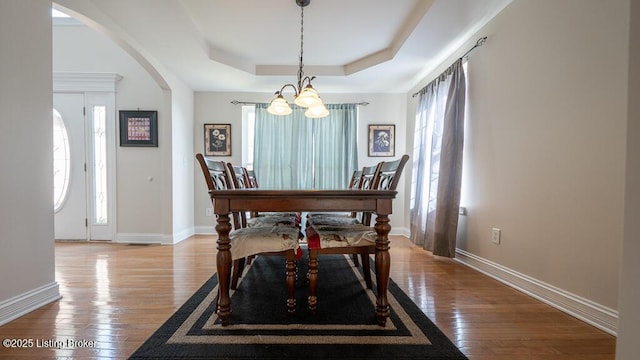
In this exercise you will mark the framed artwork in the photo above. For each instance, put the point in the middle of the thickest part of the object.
(217, 139)
(382, 140)
(138, 128)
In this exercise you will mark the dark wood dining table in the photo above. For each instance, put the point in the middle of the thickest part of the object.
(260, 200)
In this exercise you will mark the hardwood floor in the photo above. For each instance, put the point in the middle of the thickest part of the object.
(117, 295)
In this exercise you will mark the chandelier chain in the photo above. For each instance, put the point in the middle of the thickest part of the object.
(304, 96)
(301, 64)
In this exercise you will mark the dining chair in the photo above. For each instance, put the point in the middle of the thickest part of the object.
(240, 180)
(358, 238)
(354, 183)
(275, 240)
(361, 179)
(269, 216)
(366, 179)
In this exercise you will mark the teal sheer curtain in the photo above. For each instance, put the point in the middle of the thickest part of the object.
(335, 147)
(282, 156)
(296, 152)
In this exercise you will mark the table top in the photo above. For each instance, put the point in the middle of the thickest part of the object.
(262, 192)
(226, 201)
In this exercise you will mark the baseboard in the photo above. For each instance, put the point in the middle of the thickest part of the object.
(183, 235)
(142, 238)
(205, 230)
(151, 238)
(20, 305)
(400, 231)
(602, 317)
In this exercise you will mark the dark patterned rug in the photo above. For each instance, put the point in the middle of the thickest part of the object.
(344, 326)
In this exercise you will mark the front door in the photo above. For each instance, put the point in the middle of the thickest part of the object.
(70, 171)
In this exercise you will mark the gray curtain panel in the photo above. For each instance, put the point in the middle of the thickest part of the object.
(437, 165)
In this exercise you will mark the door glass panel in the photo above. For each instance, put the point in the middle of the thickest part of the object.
(100, 164)
(61, 161)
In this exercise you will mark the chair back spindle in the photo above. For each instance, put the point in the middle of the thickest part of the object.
(355, 179)
(368, 177)
(367, 180)
(239, 176)
(253, 180)
(240, 180)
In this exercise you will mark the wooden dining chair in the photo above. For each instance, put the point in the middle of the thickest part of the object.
(365, 181)
(240, 180)
(253, 183)
(280, 240)
(354, 183)
(358, 238)
(361, 179)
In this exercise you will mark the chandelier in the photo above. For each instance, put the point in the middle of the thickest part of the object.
(304, 94)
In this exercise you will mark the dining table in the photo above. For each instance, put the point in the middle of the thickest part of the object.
(226, 202)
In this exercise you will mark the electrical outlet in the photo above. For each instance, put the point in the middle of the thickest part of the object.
(495, 236)
(209, 212)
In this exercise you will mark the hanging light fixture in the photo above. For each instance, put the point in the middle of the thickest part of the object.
(304, 94)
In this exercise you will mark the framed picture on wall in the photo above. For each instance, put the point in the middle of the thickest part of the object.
(138, 128)
(382, 139)
(217, 139)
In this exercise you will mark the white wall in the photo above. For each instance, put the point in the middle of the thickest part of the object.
(216, 108)
(629, 326)
(182, 143)
(545, 145)
(26, 212)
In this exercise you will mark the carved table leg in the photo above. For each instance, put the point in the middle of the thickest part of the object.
(223, 263)
(291, 282)
(383, 264)
(313, 280)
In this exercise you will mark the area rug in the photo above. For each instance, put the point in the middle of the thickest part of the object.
(343, 327)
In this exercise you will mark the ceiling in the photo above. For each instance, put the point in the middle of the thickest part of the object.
(355, 46)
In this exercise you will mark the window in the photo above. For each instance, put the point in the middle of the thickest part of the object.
(248, 132)
(61, 161)
(99, 165)
(296, 152)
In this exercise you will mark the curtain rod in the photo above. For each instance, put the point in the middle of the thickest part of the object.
(236, 102)
(479, 43)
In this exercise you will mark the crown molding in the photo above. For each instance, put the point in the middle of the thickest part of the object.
(82, 82)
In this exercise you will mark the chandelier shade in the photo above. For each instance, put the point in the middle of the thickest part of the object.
(304, 94)
(279, 106)
(316, 111)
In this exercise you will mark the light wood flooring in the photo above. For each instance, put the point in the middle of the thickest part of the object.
(118, 295)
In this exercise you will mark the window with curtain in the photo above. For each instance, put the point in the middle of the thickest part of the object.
(296, 152)
(248, 132)
(437, 162)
